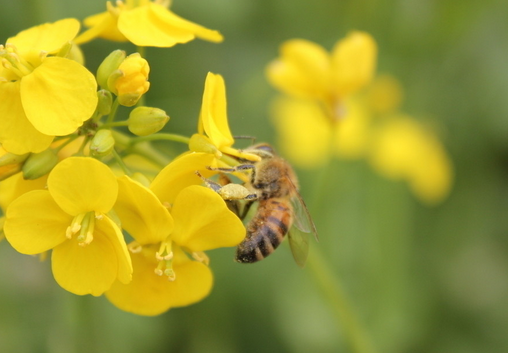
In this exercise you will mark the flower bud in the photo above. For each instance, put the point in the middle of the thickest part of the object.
(146, 120)
(39, 164)
(102, 143)
(130, 81)
(109, 65)
(10, 163)
(105, 102)
(201, 143)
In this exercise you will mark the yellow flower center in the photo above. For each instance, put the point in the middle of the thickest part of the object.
(83, 226)
(14, 63)
(165, 260)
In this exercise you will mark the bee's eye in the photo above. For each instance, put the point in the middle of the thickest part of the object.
(265, 148)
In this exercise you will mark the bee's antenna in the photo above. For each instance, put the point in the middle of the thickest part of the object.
(246, 137)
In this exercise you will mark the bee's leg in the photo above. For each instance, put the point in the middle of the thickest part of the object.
(210, 183)
(246, 208)
(233, 169)
(229, 191)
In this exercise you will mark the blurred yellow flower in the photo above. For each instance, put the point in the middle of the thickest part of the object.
(200, 221)
(71, 217)
(42, 96)
(144, 23)
(306, 70)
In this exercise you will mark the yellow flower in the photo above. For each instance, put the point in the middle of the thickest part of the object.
(168, 244)
(71, 217)
(306, 70)
(403, 149)
(42, 95)
(144, 23)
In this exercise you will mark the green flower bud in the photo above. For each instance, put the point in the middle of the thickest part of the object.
(146, 120)
(39, 164)
(102, 143)
(105, 102)
(201, 143)
(109, 65)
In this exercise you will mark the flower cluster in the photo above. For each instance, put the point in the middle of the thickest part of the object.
(69, 185)
(336, 105)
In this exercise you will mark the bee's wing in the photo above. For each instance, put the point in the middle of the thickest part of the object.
(303, 225)
(302, 219)
(299, 244)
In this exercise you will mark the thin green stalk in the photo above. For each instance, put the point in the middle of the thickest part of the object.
(121, 163)
(328, 282)
(167, 137)
(339, 303)
(112, 113)
(114, 124)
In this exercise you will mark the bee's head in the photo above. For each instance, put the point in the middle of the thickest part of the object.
(264, 150)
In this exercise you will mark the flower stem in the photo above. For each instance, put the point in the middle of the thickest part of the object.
(121, 163)
(112, 113)
(337, 299)
(168, 137)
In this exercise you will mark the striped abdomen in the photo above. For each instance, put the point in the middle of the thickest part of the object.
(265, 231)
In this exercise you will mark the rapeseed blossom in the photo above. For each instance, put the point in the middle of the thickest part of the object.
(172, 245)
(43, 94)
(71, 218)
(144, 23)
(339, 113)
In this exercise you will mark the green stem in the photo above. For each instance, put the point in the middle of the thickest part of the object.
(328, 282)
(113, 124)
(121, 163)
(167, 137)
(112, 114)
(338, 301)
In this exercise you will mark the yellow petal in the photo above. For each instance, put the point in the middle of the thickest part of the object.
(203, 221)
(90, 269)
(180, 173)
(304, 132)
(35, 223)
(48, 37)
(149, 294)
(58, 96)
(385, 94)
(141, 212)
(354, 62)
(107, 228)
(213, 117)
(102, 25)
(15, 186)
(156, 26)
(303, 70)
(17, 134)
(83, 184)
(352, 132)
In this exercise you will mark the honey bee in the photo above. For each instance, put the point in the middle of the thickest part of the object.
(281, 210)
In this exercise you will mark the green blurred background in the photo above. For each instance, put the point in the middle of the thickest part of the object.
(421, 279)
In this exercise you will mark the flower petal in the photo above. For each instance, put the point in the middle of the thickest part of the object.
(352, 133)
(203, 221)
(213, 117)
(15, 186)
(141, 212)
(90, 269)
(303, 70)
(35, 223)
(17, 134)
(354, 62)
(155, 26)
(303, 130)
(48, 37)
(149, 294)
(180, 173)
(102, 25)
(83, 184)
(106, 227)
(58, 96)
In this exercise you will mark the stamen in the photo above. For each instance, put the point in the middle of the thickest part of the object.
(165, 258)
(200, 256)
(135, 247)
